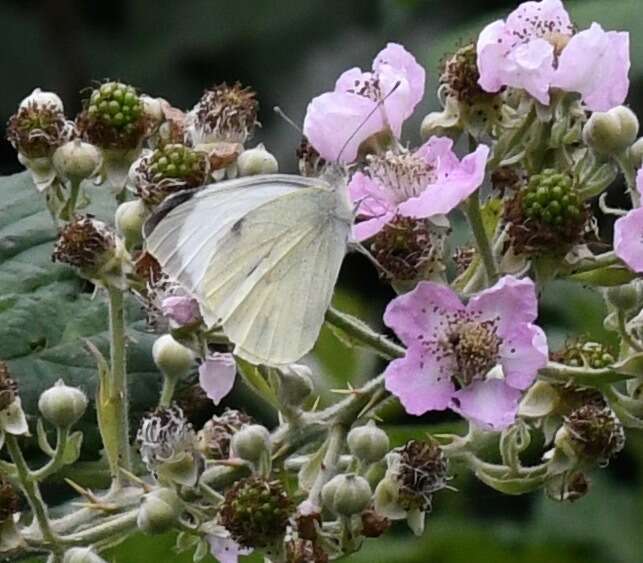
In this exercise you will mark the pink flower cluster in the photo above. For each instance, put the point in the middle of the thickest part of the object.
(536, 49)
(475, 359)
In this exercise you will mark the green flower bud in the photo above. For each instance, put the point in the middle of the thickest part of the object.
(251, 443)
(82, 555)
(611, 132)
(295, 384)
(368, 443)
(159, 511)
(129, 220)
(636, 153)
(76, 160)
(257, 161)
(346, 494)
(171, 357)
(623, 297)
(61, 405)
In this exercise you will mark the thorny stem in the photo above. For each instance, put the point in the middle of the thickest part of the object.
(169, 385)
(118, 382)
(474, 216)
(31, 490)
(630, 178)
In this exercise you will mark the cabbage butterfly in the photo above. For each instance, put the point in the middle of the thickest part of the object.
(260, 254)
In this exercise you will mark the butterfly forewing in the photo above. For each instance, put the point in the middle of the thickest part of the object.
(262, 256)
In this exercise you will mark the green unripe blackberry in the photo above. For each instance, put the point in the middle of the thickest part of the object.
(546, 216)
(256, 511)
(168, 169)
(582, 353)
(113, 117)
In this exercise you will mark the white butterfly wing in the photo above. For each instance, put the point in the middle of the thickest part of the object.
(262, 256)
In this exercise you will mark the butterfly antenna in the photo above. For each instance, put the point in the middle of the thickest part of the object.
(287, 119)
(365, 121)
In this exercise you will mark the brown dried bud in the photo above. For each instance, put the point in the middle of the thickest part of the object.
(310, 161)
(9, 500)
(8, 387)
(85, 243)
(460, 76)
(224, 113)
(305, 551)
(213, 440)
(507, 179)
(463, 257)
(596, 433)
(37, 130)
(374, 524)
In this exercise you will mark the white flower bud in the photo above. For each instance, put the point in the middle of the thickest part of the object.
(611, 132)
(82, 555)
(77, 160)
(129, 220)
(257, 161)
(295, 385)
(346, 494)
(368, 443)
(636, 153)
(251, 443)
(159, 511)
(40, 98)
(153, 108)
(171, 357)
(62, 405)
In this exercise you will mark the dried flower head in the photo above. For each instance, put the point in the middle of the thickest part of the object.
(460, 76)
(114, 117)
(409, 249)
(304, 551)
(167, 170)
(547, 216)
(507, 179)
(596, 432)
(373, 524)
(37, 130)
(463, 258)
(581, 352)
(9, 500)
(85, 243)
(8, 387)
(420, 470)
(256, 512)
(310, 161)
(214, 438)
(164, 435)
(224, 114)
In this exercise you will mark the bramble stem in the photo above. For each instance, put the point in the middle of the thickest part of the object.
(118, 392)
(474, 216)
(56, 462)
(328, 467)
(169, 385)
(31, 490)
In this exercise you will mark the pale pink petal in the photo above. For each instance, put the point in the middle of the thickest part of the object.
(596, 64)
(336, 120)
(522, 354)
(510, 301)
(539, 18)
(419, 382)
(628, 239)
(456, 181)
(372, 199)
(395, 56)
(369, 228)
(422, 314)
(226, 550)
(216, 376)
(351, 79)
(181, 309)
(492, 47)
(531, 66)
(490, 404)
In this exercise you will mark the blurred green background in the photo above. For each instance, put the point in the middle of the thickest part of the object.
(290, 51)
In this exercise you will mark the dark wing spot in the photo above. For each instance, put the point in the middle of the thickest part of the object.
(236, 228)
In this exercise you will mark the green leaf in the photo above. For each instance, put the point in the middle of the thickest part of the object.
(46, 309)
(604, 277)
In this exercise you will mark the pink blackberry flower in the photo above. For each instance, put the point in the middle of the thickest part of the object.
(535, 49)
(475, 359)
(333, 117)
(431, 181)
(182, 310)
(216, 376)
(225, 549)
(628, 234)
